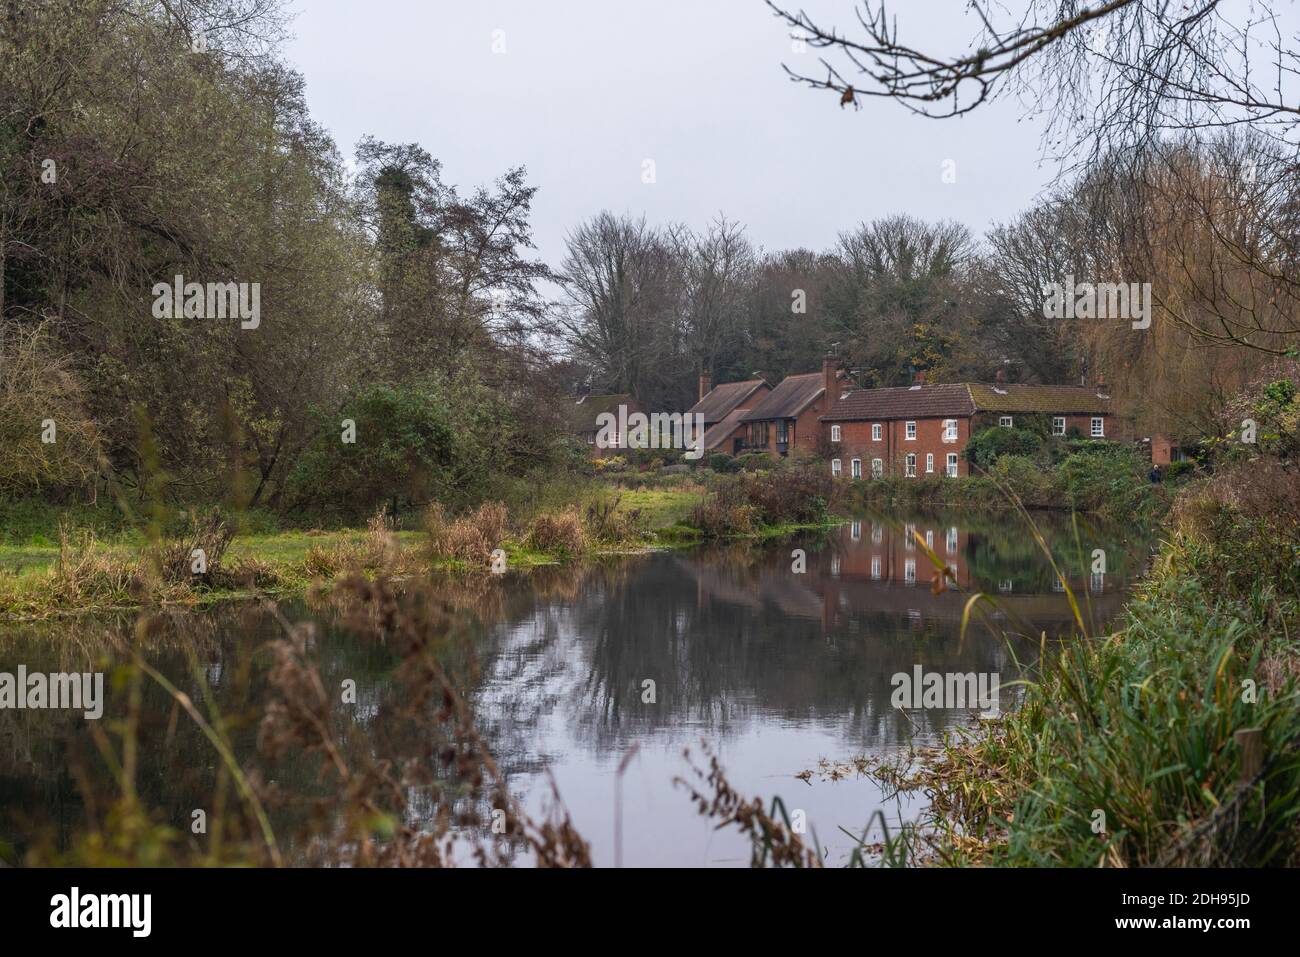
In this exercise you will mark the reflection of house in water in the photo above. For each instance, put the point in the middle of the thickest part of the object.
(879, 568)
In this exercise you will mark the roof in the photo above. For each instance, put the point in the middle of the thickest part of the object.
(904, 402)
(787, 400)
(723, 399)
(1018, 397)
(718, 432)
(583, 413)
(964, 399)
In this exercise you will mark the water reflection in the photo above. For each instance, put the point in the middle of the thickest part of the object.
(775, 667)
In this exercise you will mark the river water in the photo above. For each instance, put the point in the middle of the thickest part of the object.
(776, 656)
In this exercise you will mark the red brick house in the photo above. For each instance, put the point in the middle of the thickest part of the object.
(723, 407)
(921, 430)
(788, 417)
(584, 416)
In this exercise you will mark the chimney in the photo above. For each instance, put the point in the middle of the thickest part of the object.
(830, 382)
(918, 380)
(706, 383)
(1001, 377)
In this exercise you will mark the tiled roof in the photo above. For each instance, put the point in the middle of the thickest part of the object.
(963, 399)
(928, 401)
(582, 414)
(1061, 399)
(718, 433)
(788, 399)
(723, 399)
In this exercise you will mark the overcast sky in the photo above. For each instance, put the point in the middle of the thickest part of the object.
(586, 90)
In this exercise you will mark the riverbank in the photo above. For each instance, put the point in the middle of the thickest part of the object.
(89, 560)
(1172, 741)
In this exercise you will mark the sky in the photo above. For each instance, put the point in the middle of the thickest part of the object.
(583, 92)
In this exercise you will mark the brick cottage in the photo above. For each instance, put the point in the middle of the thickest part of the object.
(922, 430)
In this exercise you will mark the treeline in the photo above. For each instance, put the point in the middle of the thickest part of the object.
(141, 141)
(411, 346)
(1212, 228)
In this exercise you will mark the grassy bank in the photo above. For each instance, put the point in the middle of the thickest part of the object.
(55, 561)
(1126, 749)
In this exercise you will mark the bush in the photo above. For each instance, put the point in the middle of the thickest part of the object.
(1112, 480)
(985, 447)
(470, 538)
(1176, 470)
(1033, 484)
(403, 449)
(722, 462)
(558, 533)
(740, 504)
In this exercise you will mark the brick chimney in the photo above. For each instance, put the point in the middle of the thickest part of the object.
(918, 380)
(830, 382)
(706, 383)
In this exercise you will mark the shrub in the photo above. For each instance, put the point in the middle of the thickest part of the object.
(558, 533)
(722, 462)
(1176, 470)
(1112, 480)
(985, 447)
(1032, 483)
(738, 504)
(470, 538)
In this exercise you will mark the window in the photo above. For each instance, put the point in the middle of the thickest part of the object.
(1058, 425)
(929, 462)
(835, 466)
(877, 534)
(855, 531)
(856, 466)
(909, 571)
(911, 431)
(909, 465)
(929, 538)
(875, 566)
(952, 465)
(782, 435)
(1005, 421)
(909, 536)
(835, 433)
(950, 430)
(1098, 427)
(835, 565)
(875, 431)
(950, 540)
(877, 468)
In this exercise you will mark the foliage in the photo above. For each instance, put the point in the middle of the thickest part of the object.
(986, 446)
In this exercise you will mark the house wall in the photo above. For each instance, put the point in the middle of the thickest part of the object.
(1114, 428)
(894, 446)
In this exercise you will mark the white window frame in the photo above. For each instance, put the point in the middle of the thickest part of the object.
(910, 430)
(950, 430)
(929, 463)
(1098, 427)
(835, 433)
(951, 465)
(1058, 425)
(875, 566)
(950, 540)
(1006, 422)
(877, 468)
(836, 467)
(875, 431)
(909, 571)
(909, 465)
(855, 468)
(855, 531)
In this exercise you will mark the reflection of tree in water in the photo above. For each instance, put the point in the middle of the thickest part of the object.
(731, 637)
